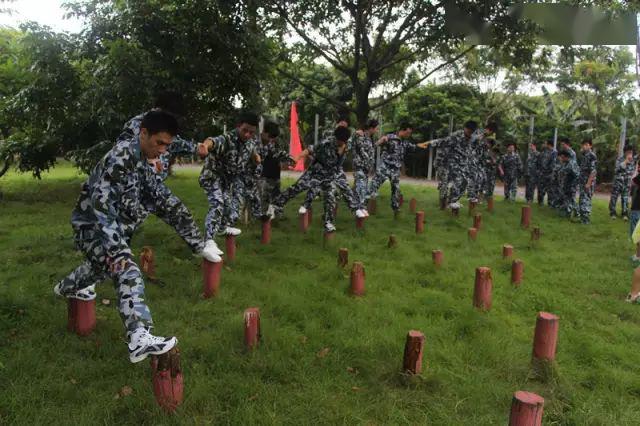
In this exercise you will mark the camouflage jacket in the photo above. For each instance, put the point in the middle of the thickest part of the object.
(326, 159)
(119, 194)
(394, 150)
(623, 173)
(547, 161)
(568, 174)
(588, 166)
(532, 169)
(363, 152)
(511, 165)
(272, 157)
(458, 149)
(229, 159)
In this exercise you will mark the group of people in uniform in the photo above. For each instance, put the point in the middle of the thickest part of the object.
(242, 167)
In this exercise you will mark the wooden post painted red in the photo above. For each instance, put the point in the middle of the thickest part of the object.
(525, 220)
(490, 204)
(545, 338)
(517, 271)
(168, 382)
(413, 352)
(483, 288)
(412, 205)
(360, 222)
(357, 279)
(303, 219)
(419, 222)
(230, 254)
(211, 282)
(438, 257)
(526, 409)
(81, 316)
(507, 251)
(266, 232)
(473, 234)
(477, 221)
(251, 328)
(309, 216)
(343, 257)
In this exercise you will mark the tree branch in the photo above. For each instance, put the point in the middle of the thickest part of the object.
(307, 86)
(417, 82)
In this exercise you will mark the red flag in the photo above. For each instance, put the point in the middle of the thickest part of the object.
(295, 148)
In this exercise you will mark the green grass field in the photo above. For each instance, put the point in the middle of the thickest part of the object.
(474, 361)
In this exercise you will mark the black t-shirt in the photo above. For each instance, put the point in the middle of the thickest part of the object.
(635, 193)
(271, 168)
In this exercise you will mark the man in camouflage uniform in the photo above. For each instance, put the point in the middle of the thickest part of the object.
(510, 169)
(532, 173)
(489, 162)
(113, 202)
(621, 183)
(568, 175)
(363, 152)
(272, 158)
(458, 147)
(547, 161)
(228, 161)
(441, 171)
(395, 145)
(587, 181)
(328, 158)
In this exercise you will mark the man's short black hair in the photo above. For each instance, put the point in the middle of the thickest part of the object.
(491, 142)
(404, 125)
(344, 117)
(587, 141)
(271, 129)
(565, 139)
(159, 121)
(342, 133)
(372, 124)
(492, 126)
(550, 142)
(564, 153)
(471, 125)
(249, 117)
(511, 144)
(628, 148)
(171, 102)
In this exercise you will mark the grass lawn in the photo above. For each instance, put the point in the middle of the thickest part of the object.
(474, 361)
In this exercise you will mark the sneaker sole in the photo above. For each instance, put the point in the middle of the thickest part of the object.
(135, 359)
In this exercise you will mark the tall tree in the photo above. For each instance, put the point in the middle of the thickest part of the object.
(373, 42)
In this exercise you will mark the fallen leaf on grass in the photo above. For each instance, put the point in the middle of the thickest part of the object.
(228, 268)
(253, 397)
(125, 391)
(73, 381)
(106, 302)
(352, 370)
(355, 388)
(323, 352)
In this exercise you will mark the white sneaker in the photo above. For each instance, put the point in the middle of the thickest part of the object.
(329, 227)
(142, 344)
(366, 213)
(360, 214)
(212, 243)
(229, 230)
(302, 210)
(86, 294)
(455, 205)
(211, 253)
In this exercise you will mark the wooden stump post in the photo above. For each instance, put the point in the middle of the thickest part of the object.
(473, 234)
(343, 257)
(372, 206)
(251, 328)
(507, 251)
(419, 222)
(309, 216)
(357, 279)
(393, 241)
(525, 220)
(517, 270)
(303, 219)
(266, 231)
(438, 257)
(413, 352)
(148, 262)
(211, 282)
(535, 234)
(329, 237)
(482, 289)
(477, 221)
(545, 338)
(490, 204)
(401, 200)
(167, 378)
(412, 205)
(81, 316)
(230, 254)
(526, 409)
(360, 222)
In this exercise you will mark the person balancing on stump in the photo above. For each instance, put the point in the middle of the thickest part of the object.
(113, 202)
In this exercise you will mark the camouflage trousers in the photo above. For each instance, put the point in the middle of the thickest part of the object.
(442, 183)
(457, 181)
(245, 193)
(222, 211)
(510, 188)
(489, 183)
(584, 202)
(384, 173)
(544, 188)
(475, 184)
(361, 187)
(531, 183)
(122, 269)
(621, 191)
(566, 201)
(269, 189)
